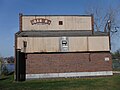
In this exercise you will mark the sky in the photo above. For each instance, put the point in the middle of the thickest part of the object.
(10, 9)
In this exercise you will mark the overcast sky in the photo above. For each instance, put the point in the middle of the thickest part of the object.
(10, 9)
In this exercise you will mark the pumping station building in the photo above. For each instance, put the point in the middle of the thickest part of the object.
(51, 46)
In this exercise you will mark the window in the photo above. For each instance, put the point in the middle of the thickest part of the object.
(24, 44)
(60, 22)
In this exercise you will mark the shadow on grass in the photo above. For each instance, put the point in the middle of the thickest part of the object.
(4, 78)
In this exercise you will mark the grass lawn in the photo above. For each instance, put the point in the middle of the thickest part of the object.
(98, 83)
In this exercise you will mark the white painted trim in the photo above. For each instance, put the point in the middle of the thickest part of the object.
(69, 74)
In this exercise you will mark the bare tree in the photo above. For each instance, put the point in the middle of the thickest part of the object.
(105, 20)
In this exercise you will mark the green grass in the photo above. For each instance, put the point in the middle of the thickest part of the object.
(98, 83)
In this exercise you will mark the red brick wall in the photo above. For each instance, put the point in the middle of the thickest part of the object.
(67, 62)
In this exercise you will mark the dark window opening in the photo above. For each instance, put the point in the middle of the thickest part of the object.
(60, 22)
(24, 44)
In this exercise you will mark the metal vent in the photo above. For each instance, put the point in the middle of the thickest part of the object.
(64, 44)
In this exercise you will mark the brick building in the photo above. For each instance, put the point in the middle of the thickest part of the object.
(50, 46)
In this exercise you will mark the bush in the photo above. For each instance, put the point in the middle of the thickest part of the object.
(4, 70)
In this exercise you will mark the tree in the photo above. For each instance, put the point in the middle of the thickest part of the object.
(116, 60)
(3, 67)
(116, 54)
(105, 20)
(10, 59)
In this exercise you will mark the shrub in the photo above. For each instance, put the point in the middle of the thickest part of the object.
(4, 70)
